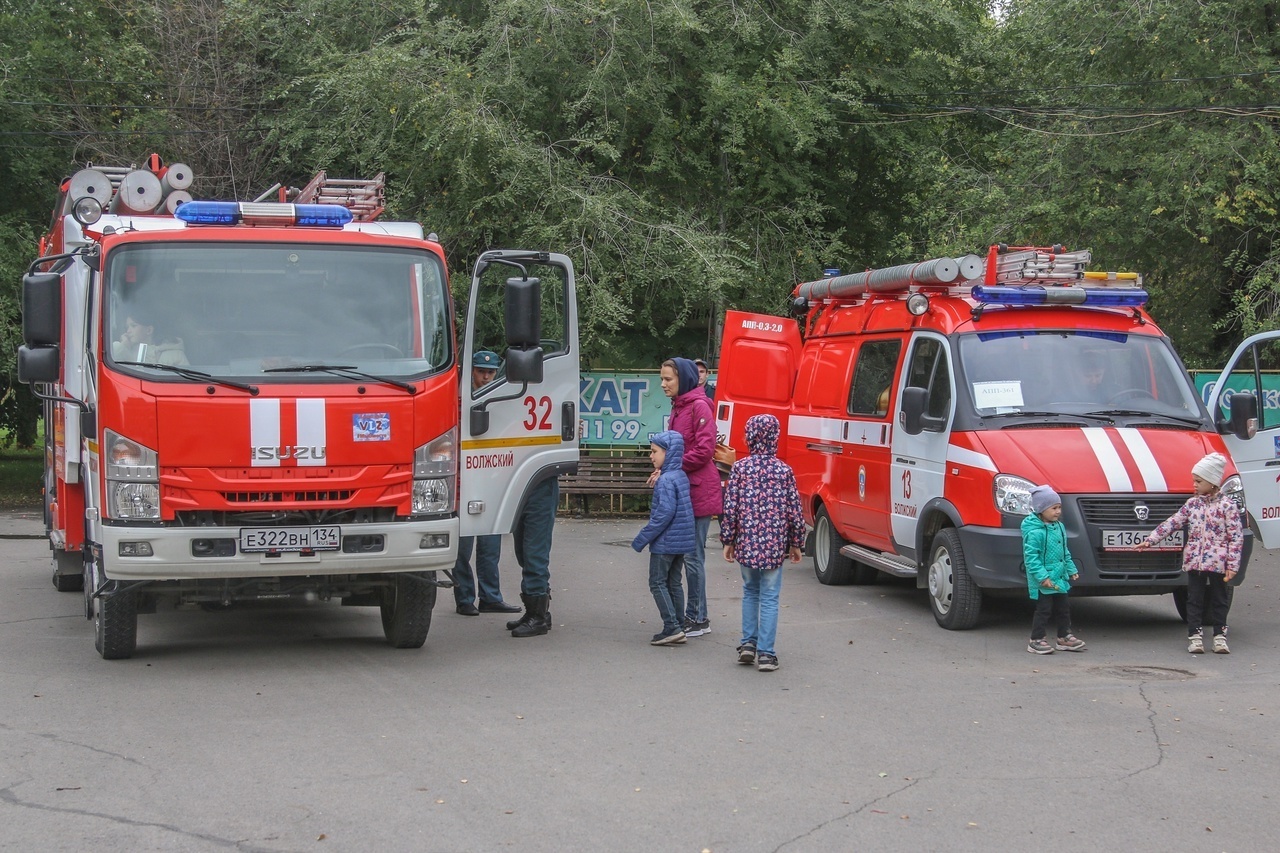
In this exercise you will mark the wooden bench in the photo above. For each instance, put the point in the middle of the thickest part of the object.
(609, 475)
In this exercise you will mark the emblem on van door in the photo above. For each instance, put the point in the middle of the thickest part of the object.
(1141, 511)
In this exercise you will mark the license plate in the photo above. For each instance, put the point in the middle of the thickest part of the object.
(1127, 540)
(327, 538)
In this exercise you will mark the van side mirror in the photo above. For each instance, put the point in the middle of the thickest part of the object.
(38, 364)
(915, 401)
(41, 309)
(522, 306)
(1244, 416)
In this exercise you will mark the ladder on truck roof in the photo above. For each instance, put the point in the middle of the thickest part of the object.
(364, 198)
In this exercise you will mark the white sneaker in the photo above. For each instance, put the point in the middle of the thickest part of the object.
(1220, 645)
(1195, 644)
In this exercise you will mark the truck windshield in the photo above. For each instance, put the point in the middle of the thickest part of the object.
(246, 310)
(1099, 375)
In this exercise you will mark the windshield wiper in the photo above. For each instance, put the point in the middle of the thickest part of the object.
(198, 375)
(344, 370)
(1033, 414)
(1138, 413)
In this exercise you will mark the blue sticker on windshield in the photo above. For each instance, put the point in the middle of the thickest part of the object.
(371, 427)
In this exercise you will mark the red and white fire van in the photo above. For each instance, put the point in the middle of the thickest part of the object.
(921, 403)
(264, 399)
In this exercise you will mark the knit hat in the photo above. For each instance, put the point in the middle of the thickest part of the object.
(1211, 468)
(1043, 497)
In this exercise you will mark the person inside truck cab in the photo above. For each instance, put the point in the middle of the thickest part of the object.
(137, 343)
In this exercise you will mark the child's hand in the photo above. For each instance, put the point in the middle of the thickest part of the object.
(1143, 545)
(1075, 577)
(1048, 584)
(728, 553)
(1228, 575)
(653, 479)
(795, 555)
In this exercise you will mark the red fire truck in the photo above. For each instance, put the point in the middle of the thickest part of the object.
(260, 400)
(921, 403)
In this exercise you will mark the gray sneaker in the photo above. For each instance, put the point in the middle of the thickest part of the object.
(697, 629)
(1039, 647)
(766, 662)
(746, 654)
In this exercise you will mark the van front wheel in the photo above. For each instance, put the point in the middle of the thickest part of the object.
(953, 596)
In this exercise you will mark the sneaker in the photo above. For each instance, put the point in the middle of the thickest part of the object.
(697, 629)
(1070, 643)
(767, 662)
(746, 654)
(675, 638)
(1195, 644)
(1039, 647)
(1220, 645)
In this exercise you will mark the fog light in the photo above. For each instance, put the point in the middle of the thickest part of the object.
(136, 549)
(434, 540)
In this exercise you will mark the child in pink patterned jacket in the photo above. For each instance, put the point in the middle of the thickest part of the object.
(1211, 555)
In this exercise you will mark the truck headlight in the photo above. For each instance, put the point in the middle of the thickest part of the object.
(133, 478)
(435, 475)
(1013, 494)
(1233, 487)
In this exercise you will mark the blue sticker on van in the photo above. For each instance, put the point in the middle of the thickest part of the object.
(371, 427)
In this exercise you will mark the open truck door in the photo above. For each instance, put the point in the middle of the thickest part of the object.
(756, 374)
(521, 427)
(1244, 409)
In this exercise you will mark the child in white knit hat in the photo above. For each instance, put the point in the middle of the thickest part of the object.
(1211, 555)
(1050, 571)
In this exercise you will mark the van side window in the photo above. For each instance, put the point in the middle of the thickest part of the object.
(873, 378)
(1255, 374)
(929, 368)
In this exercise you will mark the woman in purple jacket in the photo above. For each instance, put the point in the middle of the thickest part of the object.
(693, 418)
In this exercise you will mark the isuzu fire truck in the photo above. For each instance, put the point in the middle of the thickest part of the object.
(920, 404)
(261, 400)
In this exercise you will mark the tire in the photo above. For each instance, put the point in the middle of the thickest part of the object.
(953, 596)
(831, 567)
(1180, 602)
(406, 610)
(68, 571)
(115, 625)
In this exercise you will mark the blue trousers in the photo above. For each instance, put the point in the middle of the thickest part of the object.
(533, 537)
(664, 583)
(760, 593)
(487, 549)
(695, 569)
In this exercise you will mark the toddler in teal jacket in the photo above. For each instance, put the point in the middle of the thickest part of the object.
(1050, 571)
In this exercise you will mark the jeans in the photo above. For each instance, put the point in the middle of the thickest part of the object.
(695, 568)
(1048, 606)
(760, 592)
(533, 537)
(664, 583)
(1208, 601)
(487, 549)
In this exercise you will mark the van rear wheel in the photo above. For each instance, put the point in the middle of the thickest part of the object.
(406, 609)
(831, 567)
(953, 596)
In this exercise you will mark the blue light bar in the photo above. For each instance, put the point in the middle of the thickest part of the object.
(1065, 295)
(260, 213)
(209, 212)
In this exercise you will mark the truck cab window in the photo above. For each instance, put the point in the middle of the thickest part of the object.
(873, 378)
(929, 369)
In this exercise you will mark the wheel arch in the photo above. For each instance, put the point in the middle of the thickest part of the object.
(935, 515)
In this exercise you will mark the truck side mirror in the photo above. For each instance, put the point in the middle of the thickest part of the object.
(524, 365)
(37, 364)
(522, 304)
(915, 401)
(1244, 416)
(41, 309)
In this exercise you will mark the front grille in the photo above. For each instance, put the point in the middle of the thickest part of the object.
(1134, 565)
(328, 496)
(1119, 512)
(265, 517)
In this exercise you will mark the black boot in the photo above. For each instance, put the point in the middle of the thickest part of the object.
(511, 626)
(524, 617)
(539, 621)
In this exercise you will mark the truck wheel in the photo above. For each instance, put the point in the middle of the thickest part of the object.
(954, 597)
(68, 571)
(1180, 602)
(831, 567)
(115, 625)
(406, 610)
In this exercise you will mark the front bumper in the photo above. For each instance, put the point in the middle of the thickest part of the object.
(173, 553)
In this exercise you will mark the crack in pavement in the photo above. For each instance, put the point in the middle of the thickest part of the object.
(853, 812)
(58, 739)
(8, 796)
(1151, 722)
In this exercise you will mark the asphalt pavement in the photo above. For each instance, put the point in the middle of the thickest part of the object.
(293, 727)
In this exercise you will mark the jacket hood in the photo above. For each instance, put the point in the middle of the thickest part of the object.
(672, 442)
(687, 372)
(762, 435)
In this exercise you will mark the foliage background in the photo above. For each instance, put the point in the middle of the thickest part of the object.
(689, 155)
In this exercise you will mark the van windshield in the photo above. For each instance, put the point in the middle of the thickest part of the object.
(255, 310)
(1099, 375)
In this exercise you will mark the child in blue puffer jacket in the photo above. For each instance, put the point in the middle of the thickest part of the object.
(1050, 571)
(669, 535)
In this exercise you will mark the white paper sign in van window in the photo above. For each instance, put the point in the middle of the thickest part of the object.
(998, 395)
